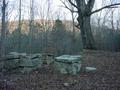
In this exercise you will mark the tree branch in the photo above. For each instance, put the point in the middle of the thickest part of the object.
(108, 6)
(90, 4)
(73, 4)
(77, 26)
(68, 7)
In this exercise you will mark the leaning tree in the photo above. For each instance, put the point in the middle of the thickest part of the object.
(84, 10)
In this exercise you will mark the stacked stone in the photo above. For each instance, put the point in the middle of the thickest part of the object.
(22, 62)
(68, 64)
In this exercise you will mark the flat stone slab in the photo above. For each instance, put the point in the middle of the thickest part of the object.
(68, 64)
(90, 69)
(68, 58)
(17, 54)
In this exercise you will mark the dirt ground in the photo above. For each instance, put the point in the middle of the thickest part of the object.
(106, 77)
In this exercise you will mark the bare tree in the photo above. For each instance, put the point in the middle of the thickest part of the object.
(31, 23)
(118, 21)
(3, 30)
(45, 15)
(19, 27)
(84, 13)
(71, 9)
(45, 12)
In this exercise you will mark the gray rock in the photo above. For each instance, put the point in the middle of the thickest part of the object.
(90, 69)
(66, 84)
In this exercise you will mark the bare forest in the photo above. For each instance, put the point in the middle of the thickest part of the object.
(59, 45)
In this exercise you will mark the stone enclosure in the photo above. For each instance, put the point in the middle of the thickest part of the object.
(24, 63)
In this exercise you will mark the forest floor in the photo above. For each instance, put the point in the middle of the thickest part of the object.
(106, 77)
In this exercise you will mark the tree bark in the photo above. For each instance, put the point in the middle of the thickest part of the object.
(84, 10)
(86, 33)
(3, 31)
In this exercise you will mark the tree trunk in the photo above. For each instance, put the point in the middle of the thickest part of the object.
(3, 31)
(19, 28)
(73, 35)
(31, 23)
(86, 33)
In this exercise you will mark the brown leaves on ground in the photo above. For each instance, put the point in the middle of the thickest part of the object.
(107, 76)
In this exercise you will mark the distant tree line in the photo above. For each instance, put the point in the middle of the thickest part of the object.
(106, 38)
(59, 40)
